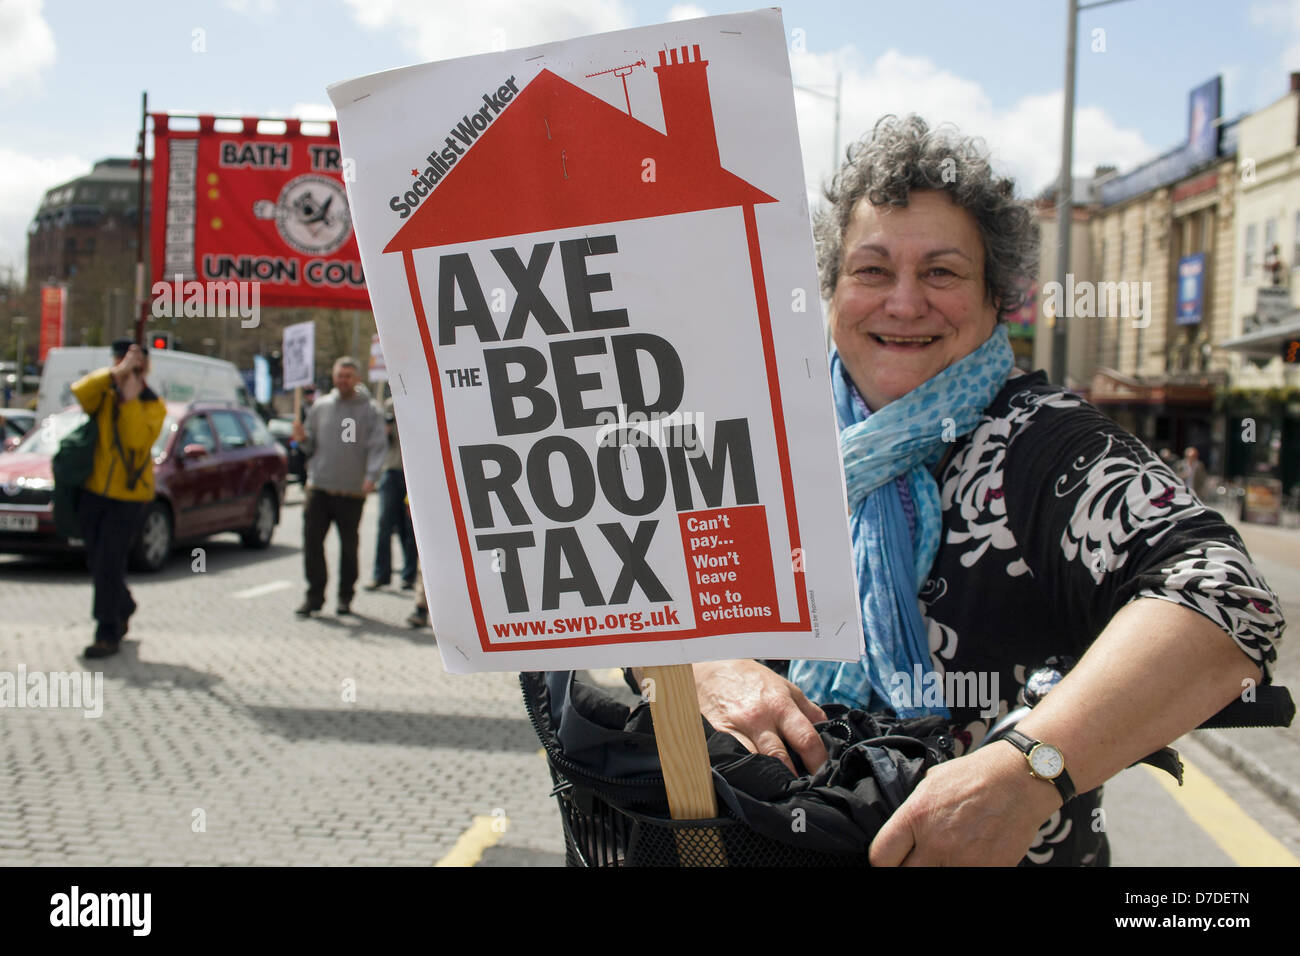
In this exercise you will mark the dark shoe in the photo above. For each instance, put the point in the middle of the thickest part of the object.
(419, 618)
(101, 649)
(408, 585)
(307, 609)
(344, 609)
(374, 585)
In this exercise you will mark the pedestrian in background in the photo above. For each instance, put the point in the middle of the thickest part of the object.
(344, 442)
(129, 417)
(393, 515)
(419, 617)
(1193, 473)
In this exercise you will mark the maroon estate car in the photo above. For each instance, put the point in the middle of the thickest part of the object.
(216, 468)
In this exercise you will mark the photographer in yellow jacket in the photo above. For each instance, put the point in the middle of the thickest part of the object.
(113, 498)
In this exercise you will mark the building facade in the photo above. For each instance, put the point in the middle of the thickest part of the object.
(1143, 331)
(84, 236)
(1262, 403)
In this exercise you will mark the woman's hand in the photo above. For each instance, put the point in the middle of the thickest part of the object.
(762, 710)
(983, 809)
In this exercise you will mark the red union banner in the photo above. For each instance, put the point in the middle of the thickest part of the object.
(255, 206)
(53, 300)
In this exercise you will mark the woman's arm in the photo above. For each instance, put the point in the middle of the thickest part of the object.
(1157, 671)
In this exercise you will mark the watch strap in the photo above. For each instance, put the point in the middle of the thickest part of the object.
(1024, 743)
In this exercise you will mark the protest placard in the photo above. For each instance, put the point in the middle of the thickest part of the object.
(298, 354)
(378, 371)
(591, 269)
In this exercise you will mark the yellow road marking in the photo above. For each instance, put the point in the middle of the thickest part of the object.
(481, 834)
(1236, 833)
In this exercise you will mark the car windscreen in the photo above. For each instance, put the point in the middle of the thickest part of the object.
(45, 440)
(164, 435)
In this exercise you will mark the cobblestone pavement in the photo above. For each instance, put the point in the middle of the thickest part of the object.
(234, 733)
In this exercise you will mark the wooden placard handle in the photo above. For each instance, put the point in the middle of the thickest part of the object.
(680, 736)
(684, 756)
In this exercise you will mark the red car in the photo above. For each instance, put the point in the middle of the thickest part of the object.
(216, 468)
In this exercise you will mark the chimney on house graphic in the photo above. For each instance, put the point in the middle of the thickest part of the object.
(688, 110)
(558, 157)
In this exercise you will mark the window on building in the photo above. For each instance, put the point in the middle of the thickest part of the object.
(1248, 258)
(1122, 236)
(1272, 251)
(1295, 248)
(1142, 252)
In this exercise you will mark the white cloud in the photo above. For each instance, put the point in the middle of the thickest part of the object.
(26, 45)
(686, 11)
(254, 8)
(1278, 17)
(317, 112)
(435, 33)
(23, 184)
(1025, 138)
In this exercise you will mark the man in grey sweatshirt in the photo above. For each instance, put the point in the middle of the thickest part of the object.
(344, 441)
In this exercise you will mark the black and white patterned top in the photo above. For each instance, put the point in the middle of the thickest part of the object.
(1054, 518)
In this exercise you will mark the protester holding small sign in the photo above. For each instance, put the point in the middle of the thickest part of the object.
(1027, 524)
(345, 441)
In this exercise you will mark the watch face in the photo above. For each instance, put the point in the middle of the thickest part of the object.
(1046, 761)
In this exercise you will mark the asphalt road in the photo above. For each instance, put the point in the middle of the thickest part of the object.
(234, 733)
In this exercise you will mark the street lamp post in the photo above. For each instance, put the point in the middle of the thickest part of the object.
(839, 89)
(21, 322)
(1065, 191)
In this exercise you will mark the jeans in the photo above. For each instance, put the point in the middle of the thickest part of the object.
(393, 517)
(109, 527)
(319, 509)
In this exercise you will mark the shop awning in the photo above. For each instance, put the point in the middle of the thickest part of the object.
(1110, 387)
(1268, 341)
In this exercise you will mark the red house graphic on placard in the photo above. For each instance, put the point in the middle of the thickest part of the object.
(572, 160)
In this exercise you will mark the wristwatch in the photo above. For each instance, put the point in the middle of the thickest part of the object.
(1045, 762)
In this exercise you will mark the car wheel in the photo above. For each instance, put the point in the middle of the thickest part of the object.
(154, 543)
(259, 535)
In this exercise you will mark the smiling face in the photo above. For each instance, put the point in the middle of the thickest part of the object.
(910, 299)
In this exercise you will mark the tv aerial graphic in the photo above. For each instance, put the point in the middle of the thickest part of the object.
(622, 73)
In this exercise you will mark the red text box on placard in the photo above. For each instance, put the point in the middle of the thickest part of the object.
(729, 566)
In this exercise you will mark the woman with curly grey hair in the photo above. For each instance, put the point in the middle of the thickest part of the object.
(998, 524)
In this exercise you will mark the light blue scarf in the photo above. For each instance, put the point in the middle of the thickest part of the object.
(906, 438)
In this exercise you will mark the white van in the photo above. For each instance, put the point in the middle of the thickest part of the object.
(175, 376)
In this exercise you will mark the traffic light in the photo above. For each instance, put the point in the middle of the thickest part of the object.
(160, 340)
(276, 362)
(1291, 351)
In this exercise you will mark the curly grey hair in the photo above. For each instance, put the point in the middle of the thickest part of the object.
(903, 154)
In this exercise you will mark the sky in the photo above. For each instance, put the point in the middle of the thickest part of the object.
(72, 71)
